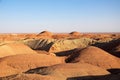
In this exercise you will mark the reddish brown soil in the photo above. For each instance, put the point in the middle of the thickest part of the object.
(60, 56)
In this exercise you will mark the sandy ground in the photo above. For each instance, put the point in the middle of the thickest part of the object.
(60, 56)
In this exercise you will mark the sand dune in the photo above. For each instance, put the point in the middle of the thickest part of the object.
(94, 56)
(14, 49)
(19, 63)
(56, 56)
(61, 72)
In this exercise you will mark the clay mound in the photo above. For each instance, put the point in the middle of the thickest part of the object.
(63, 71)
(94, 56)
(14, 49)
(45, 33)
(65, 44)
(108, 46)
(40, 44)
(75, 33)
(55, 46)
(19, 63)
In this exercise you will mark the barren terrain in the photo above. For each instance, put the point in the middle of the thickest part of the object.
(60, 56)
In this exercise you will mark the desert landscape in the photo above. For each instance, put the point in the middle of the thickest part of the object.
(60, 56)
(59, 39)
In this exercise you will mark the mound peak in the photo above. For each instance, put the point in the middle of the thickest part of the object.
(75, 33)
(46, 33)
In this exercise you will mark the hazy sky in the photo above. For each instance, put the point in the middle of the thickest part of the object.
(18, 16)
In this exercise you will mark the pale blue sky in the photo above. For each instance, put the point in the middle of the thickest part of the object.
(24, 16)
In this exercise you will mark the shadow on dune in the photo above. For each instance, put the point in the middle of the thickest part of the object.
(115, 74)
(65, 53)
(8, 77)
(102, 77)
(39, 70)
(110, 47)
(46, 47)
(40, 44)
(114, 71)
